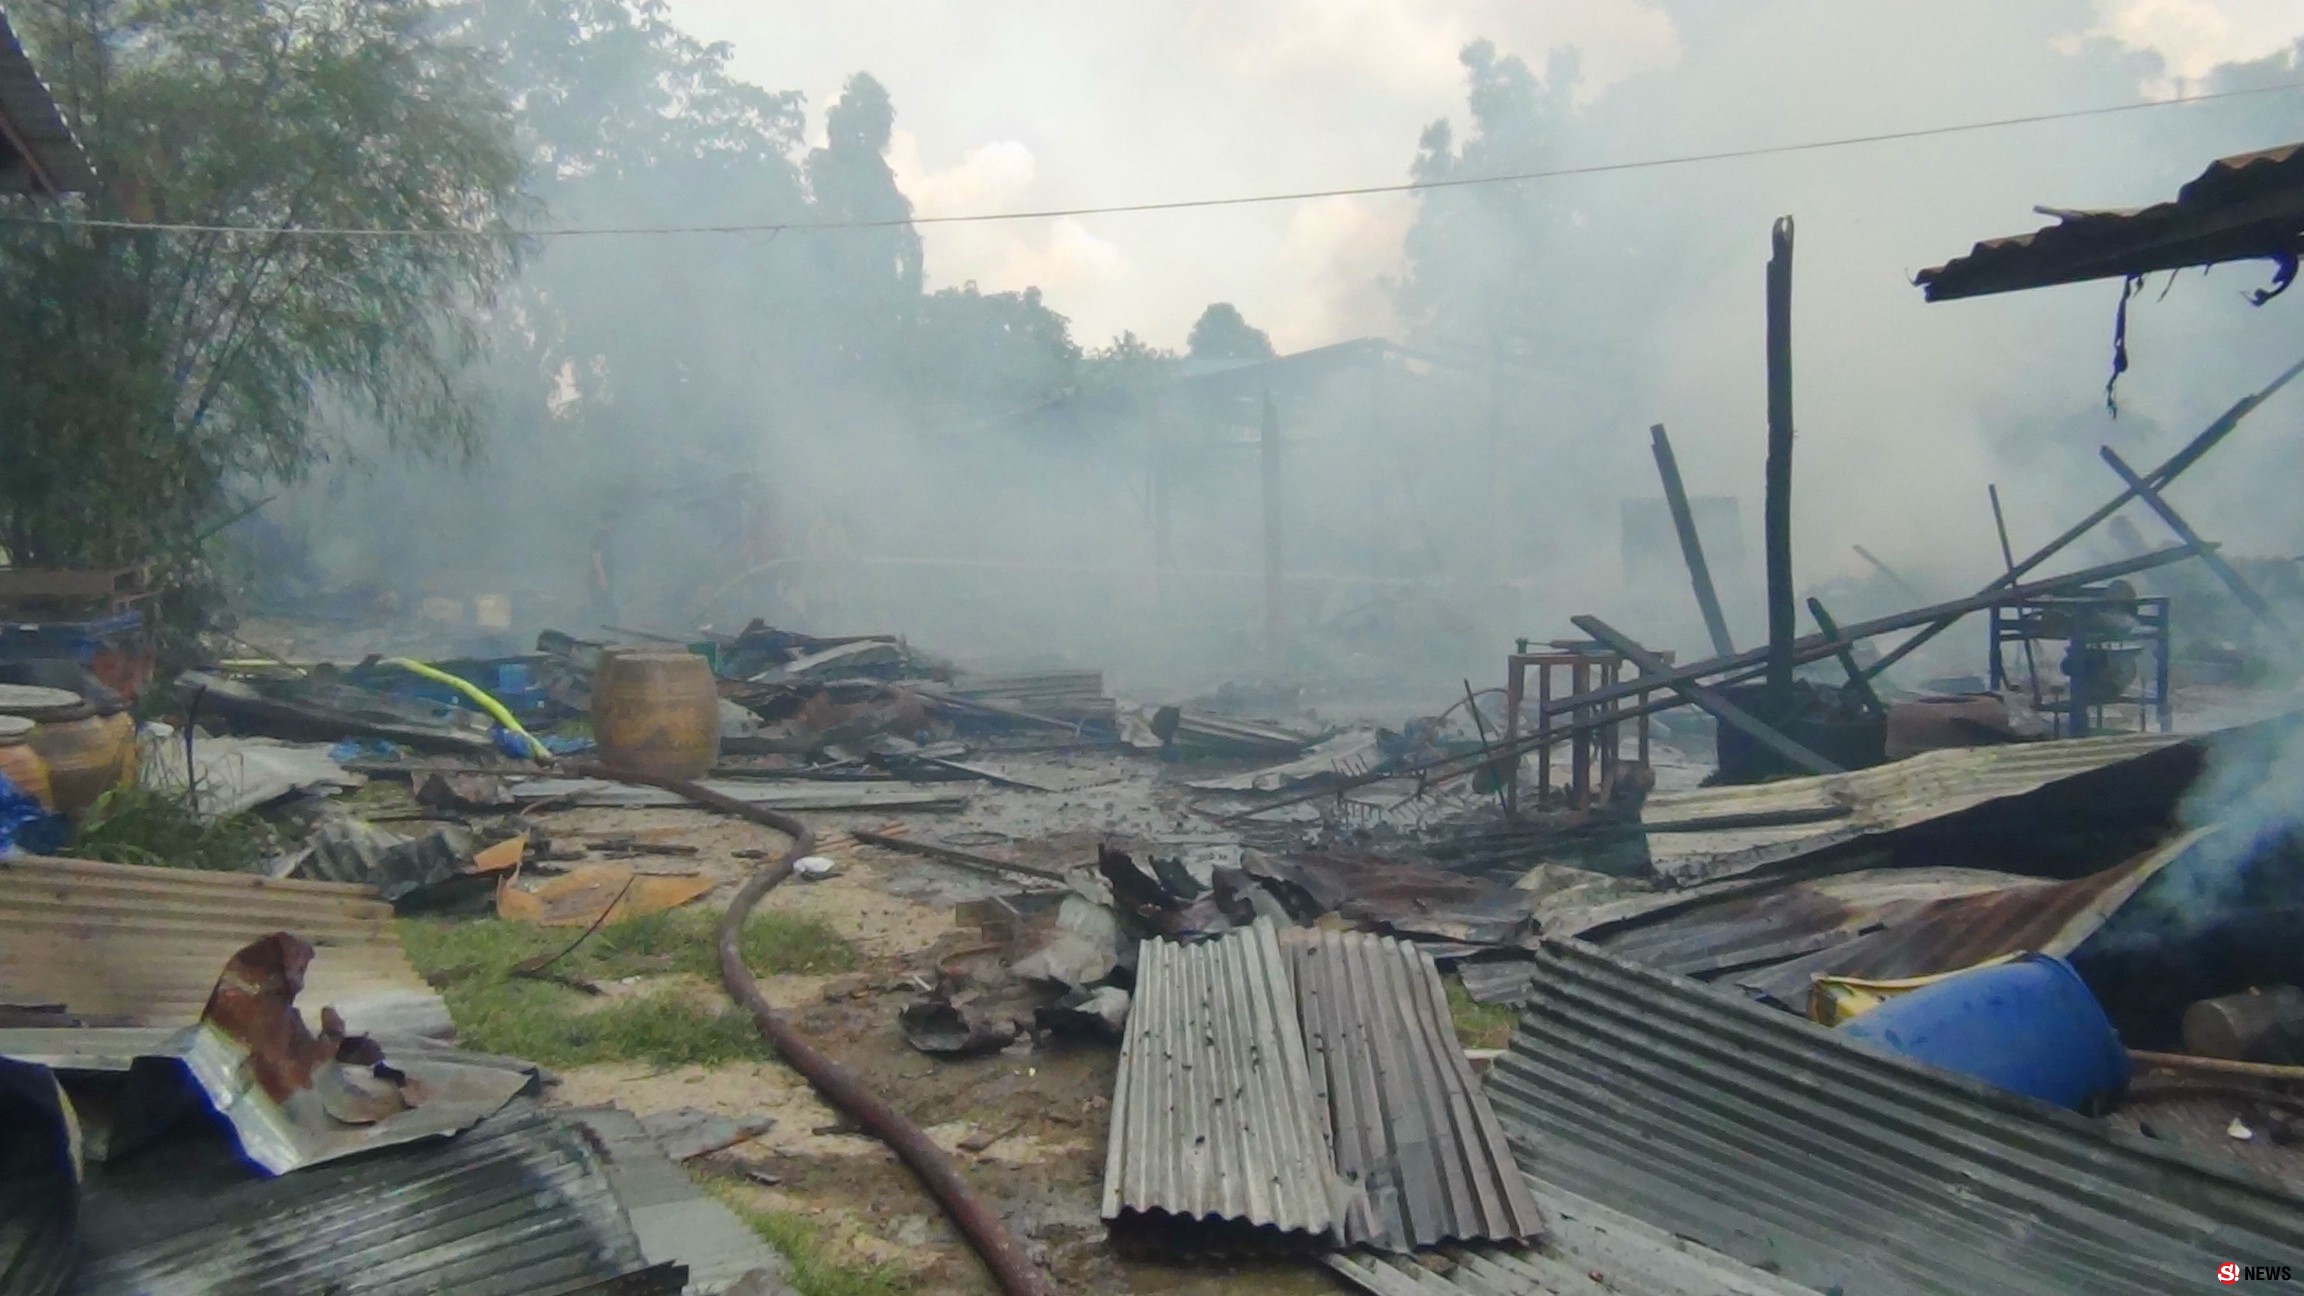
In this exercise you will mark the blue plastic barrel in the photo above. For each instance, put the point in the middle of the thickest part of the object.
(2029, 1025)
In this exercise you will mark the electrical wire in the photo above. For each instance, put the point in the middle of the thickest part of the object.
(1180, 204)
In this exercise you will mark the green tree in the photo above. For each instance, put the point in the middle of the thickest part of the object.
(1477, 271)
(1221, 333)
(144, 372)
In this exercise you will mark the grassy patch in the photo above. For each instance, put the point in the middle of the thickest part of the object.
(496, 1012)
(815, 1272)
(138, 825)
(1479, 1025)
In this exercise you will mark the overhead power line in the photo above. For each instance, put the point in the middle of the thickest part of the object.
(1179, 204)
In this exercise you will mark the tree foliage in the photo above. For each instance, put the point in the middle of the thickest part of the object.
(1221, 333)
(1476, 254)
(142, 372)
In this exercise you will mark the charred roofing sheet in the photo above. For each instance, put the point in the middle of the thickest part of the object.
(2241, 208)
(1779, 1143)
(1413, 1132)
(1727, 831)
(2050, 918)
(53, 162)
(517, 1206)
(1214, 1115)
(143, 946)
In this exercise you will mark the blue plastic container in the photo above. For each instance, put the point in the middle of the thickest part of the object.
(2029, 1025)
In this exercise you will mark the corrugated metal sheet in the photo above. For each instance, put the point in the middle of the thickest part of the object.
(517, 1206)
(1412, 1130)
(2050, 918)
(1497, 980)
(39, 1182)
(143, 946)
(1591, 1248)
(1771, 1139)
(1804, 816)
(2241, 208)
(1752, 929)
(58, 166)
(1214, 1115)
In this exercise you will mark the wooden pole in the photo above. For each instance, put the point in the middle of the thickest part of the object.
(1782, 626)
(1861, 686)
(2224, 570)
(2158, 477)
(1691, 544)
(1275, 610)
(2008, 557)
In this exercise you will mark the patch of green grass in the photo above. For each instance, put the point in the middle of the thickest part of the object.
(815, 1272)
(472, 961)
(139, 825)
(1479, 1025)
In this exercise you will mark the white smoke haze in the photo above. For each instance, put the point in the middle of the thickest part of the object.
(1635, 298)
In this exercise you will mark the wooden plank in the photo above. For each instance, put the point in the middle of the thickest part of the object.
(1727, 712)
(1691, 544)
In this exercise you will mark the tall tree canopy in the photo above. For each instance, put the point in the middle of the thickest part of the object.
(1222, 333)
(1476, 254)
(141, 371)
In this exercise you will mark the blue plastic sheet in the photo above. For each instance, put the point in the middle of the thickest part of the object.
(26, 826)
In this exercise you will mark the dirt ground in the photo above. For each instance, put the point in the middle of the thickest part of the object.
(1033, 1117)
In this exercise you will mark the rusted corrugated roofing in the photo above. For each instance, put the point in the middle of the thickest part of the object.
(1761, 927)
(1947, 935)
(1804, 816)
(46, 159)
(1412, 1130)
(2245, 207)
(1214, 1115)
(1796, 1150)
(143, 946)
(518, 1206)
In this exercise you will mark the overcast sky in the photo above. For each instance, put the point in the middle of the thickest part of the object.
(1008, 104)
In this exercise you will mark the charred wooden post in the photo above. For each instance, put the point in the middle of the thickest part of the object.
(1782, 626)
(1691, 545)
(2008, 557)
(1857, 684)
(2158, 478)
(2225, 572)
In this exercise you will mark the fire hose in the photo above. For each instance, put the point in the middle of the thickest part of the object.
(1012, 1267)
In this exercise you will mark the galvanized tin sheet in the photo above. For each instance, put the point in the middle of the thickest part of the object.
(517, 1206)
(1413, 1133)
(1214, 1115)
(1779, 1143)
(142, 946)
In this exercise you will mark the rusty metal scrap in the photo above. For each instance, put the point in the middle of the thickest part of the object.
(2246, 207)
(142, 946)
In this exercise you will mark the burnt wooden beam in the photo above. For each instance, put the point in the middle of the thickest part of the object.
(1857, 682)
(1750, 663)
(1777, 505)
(2008, 558)
(2224, 570)
(2159, 478)
(1691, 545)
(1895, 577)
(1723, 710)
